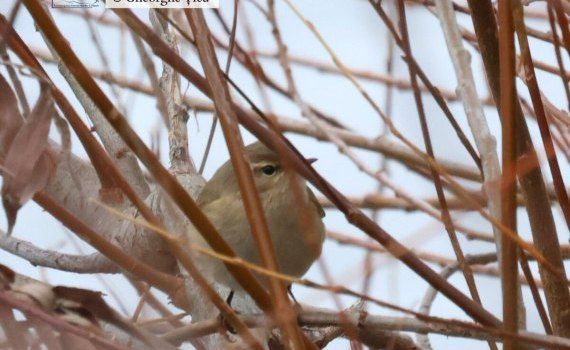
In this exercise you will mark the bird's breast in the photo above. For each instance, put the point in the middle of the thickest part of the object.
(297, 230)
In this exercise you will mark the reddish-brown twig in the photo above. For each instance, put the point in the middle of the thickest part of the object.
(281, 307)
(508, 177)
(532, 183)
(536, 98)
(446, 217)
(355, 216)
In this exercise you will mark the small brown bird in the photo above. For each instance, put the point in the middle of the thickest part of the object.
(297, 237)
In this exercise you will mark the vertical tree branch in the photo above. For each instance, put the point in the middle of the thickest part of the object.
(148, 66)
(446, 217)
(562, 21)
(532, 183)
(508, 180)
(484, 140)
(180, 161)
(536, 98)
(281, 309)
(558, 52)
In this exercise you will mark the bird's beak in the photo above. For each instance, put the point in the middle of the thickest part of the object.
(311, 160)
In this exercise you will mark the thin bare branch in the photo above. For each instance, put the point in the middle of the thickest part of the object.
(532, 183)
(354, 215)
(92, 263)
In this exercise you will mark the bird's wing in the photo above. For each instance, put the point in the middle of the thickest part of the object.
(315, 201)
(208, 194)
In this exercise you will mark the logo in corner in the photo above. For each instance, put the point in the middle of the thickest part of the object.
(86, 4)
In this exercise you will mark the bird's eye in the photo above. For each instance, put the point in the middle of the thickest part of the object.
(269, 170)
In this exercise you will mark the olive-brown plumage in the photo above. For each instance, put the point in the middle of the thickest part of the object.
(294, 219)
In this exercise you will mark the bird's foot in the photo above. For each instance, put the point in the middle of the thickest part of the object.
(226, 326)
(296, 304)
(223, 321)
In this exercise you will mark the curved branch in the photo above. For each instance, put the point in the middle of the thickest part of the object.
(431, 292)
(91, 263)
(427, 301)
